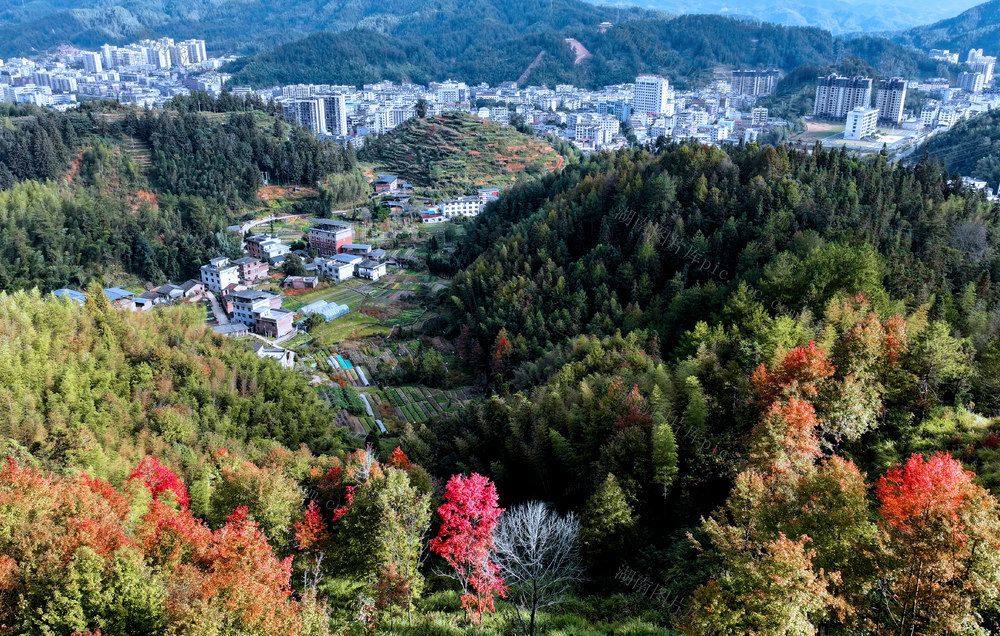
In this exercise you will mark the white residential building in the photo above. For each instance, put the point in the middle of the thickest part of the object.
(220, 274)
(836, 95)
(335, 113)
(250, 303)
(462, 206)
(861, 123)
(652, 94)
(890, 100)
(309, 113)
(943, 55)
(972, 82)
(980, 63)
(92, 62)
(339, 267)
(452, 92)
(370, 269)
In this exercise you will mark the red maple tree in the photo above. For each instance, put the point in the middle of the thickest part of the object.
(785, 438)
(800, 373)
(158, 478)
(311, 531)
(469, 517)
(935, 487)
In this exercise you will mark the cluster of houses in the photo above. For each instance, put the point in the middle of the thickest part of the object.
(339, 258)
(130, 301)
(395, 193)
(258, 311)
(249, 310)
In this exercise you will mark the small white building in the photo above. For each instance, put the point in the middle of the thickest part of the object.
(220, 274)
(285, 357)
(341, 266)
(861, 122)
(462, 206)
(372, 270)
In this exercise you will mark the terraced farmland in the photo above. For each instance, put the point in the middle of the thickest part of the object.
(418, 403)
(455, 153)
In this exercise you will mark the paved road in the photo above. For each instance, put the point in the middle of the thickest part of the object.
(220, 316)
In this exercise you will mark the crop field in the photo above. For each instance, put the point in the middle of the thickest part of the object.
(415, 403)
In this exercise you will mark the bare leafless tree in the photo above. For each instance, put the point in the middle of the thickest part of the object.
(539, 558)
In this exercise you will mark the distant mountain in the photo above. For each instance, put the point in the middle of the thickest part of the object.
(684, 48)
(977, 28)
(248, 25)
(836, 16)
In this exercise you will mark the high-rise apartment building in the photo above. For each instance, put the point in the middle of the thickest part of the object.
(836, 95)
(890, 100)
(92, 62)
(653, 95)
(308, 113)
(335, 113)
(980, 63)
(751, 82)
(972, 82)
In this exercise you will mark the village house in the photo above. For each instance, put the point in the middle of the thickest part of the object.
(300, 282)
(390, 184)
(370, 269)
(339, 267)
(329, 237)
(219, 274)
(233, 329)
(273, 323)
(120, 298)
(76, 296)
(267, 247)
(147, 300)
(285, 357)
(251, 269)
(249, 302)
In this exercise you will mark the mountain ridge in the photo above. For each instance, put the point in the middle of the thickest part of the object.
(976, 28)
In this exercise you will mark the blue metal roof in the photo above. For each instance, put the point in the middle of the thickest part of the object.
(117, 293)
(348, 259)
(72, 294)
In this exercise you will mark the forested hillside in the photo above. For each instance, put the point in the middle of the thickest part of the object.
(741, 390)
(434, 49)
(978, 28)
(106, 190)
(98, 400)
(838, 17)
(787, 320)
(970, 148)
(247, 25)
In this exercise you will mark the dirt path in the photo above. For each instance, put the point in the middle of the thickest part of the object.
(527, 72)
(579, 49)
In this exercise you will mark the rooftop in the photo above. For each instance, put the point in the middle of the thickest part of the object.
(72, 294)
(233, 327)
(253, 294)
(117, 293)
(348, 259)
